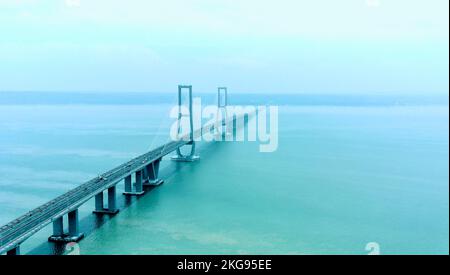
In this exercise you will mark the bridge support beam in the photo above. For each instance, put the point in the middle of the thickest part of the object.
(14, 251)
(151, 173)
(74, 227)
(73, 235)
(58, 227)
(112, 200)
(99, 204)
(138, 185)
(128, 187)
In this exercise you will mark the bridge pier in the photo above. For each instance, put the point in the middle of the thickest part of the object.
(14, 251)
(151, 173)
(99, 204)
(128, 187)
(58, 227)
(73, 235)
(138, 185)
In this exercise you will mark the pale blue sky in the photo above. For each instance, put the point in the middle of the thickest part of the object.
(283, 46)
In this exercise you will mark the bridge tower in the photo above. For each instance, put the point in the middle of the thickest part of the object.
(222, 103)
(179, 155)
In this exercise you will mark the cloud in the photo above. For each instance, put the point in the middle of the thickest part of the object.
(73, 3)
(373, 3)
(15, 3)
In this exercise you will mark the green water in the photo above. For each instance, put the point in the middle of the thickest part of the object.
(342, 177)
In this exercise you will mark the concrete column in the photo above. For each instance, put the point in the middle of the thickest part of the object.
(145, 175)
(112, 199)
(58, 227)
(138, 184)
(99, 202)
(73, 223)
(128, 184)
(58, 230)
(153, 171)
(14, 251)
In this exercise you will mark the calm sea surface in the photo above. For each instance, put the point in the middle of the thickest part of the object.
(344, 175)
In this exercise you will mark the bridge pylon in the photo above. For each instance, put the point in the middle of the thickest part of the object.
(179, 155)
(222, 103)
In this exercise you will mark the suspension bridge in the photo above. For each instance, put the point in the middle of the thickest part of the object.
(145, 169)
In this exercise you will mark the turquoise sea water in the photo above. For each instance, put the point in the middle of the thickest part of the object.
(343, 176)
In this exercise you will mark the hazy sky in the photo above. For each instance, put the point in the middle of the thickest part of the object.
(289, 46)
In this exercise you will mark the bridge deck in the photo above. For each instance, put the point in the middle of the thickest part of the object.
(21, 228)
(18, 230)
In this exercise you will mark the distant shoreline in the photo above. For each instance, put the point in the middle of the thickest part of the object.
(140, 98)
